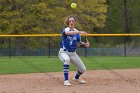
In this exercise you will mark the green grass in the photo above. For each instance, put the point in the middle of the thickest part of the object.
(18, 65)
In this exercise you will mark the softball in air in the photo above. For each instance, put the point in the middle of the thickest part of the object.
(73, 5)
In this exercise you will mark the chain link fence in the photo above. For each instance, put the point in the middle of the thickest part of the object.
(49, 46)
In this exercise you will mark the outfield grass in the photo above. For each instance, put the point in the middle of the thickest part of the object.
(44, 64)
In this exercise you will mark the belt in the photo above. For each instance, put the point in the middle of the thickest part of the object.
(69, 50)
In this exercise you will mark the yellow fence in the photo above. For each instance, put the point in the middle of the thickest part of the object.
(54, 35)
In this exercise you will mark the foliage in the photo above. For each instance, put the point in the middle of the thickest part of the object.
(117, 17)
(47, 16)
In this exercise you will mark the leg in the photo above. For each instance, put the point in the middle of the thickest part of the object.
(75, 59)
(65, 59)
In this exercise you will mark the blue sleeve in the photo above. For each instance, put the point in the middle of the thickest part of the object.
(78, 38)
(63, 32)
(64, 36)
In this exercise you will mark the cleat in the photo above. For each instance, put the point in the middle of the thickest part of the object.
(79, 80)
(67, 83)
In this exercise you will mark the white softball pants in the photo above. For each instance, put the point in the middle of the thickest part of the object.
(67, 57)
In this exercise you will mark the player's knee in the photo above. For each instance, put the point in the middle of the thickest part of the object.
(83, 70)
(66, 61)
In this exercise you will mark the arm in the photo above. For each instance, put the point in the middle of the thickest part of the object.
(75, 32)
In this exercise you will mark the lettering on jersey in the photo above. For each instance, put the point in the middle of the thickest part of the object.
(72, 39)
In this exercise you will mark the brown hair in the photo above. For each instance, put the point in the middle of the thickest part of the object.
(66, 21)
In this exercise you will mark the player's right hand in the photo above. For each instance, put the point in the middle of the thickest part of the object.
(87, 44)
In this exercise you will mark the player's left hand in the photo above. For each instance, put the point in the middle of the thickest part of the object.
(84, 44)
(87, 44)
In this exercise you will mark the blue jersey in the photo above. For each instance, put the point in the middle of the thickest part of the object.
(69, 42)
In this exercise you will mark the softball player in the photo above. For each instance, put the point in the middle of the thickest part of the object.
(67, 53)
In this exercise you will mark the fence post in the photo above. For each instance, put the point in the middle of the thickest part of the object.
(85, 48)
(49, 46)
(85, 52)
(9, 47)
(125, 46)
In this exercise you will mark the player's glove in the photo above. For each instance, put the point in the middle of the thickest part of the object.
(83, 44)
(87, 44)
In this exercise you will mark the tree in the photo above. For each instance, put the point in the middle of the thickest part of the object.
(47, 16)
(39, 16)
(123, 18)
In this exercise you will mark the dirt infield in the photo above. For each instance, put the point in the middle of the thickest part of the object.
(98, 81)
